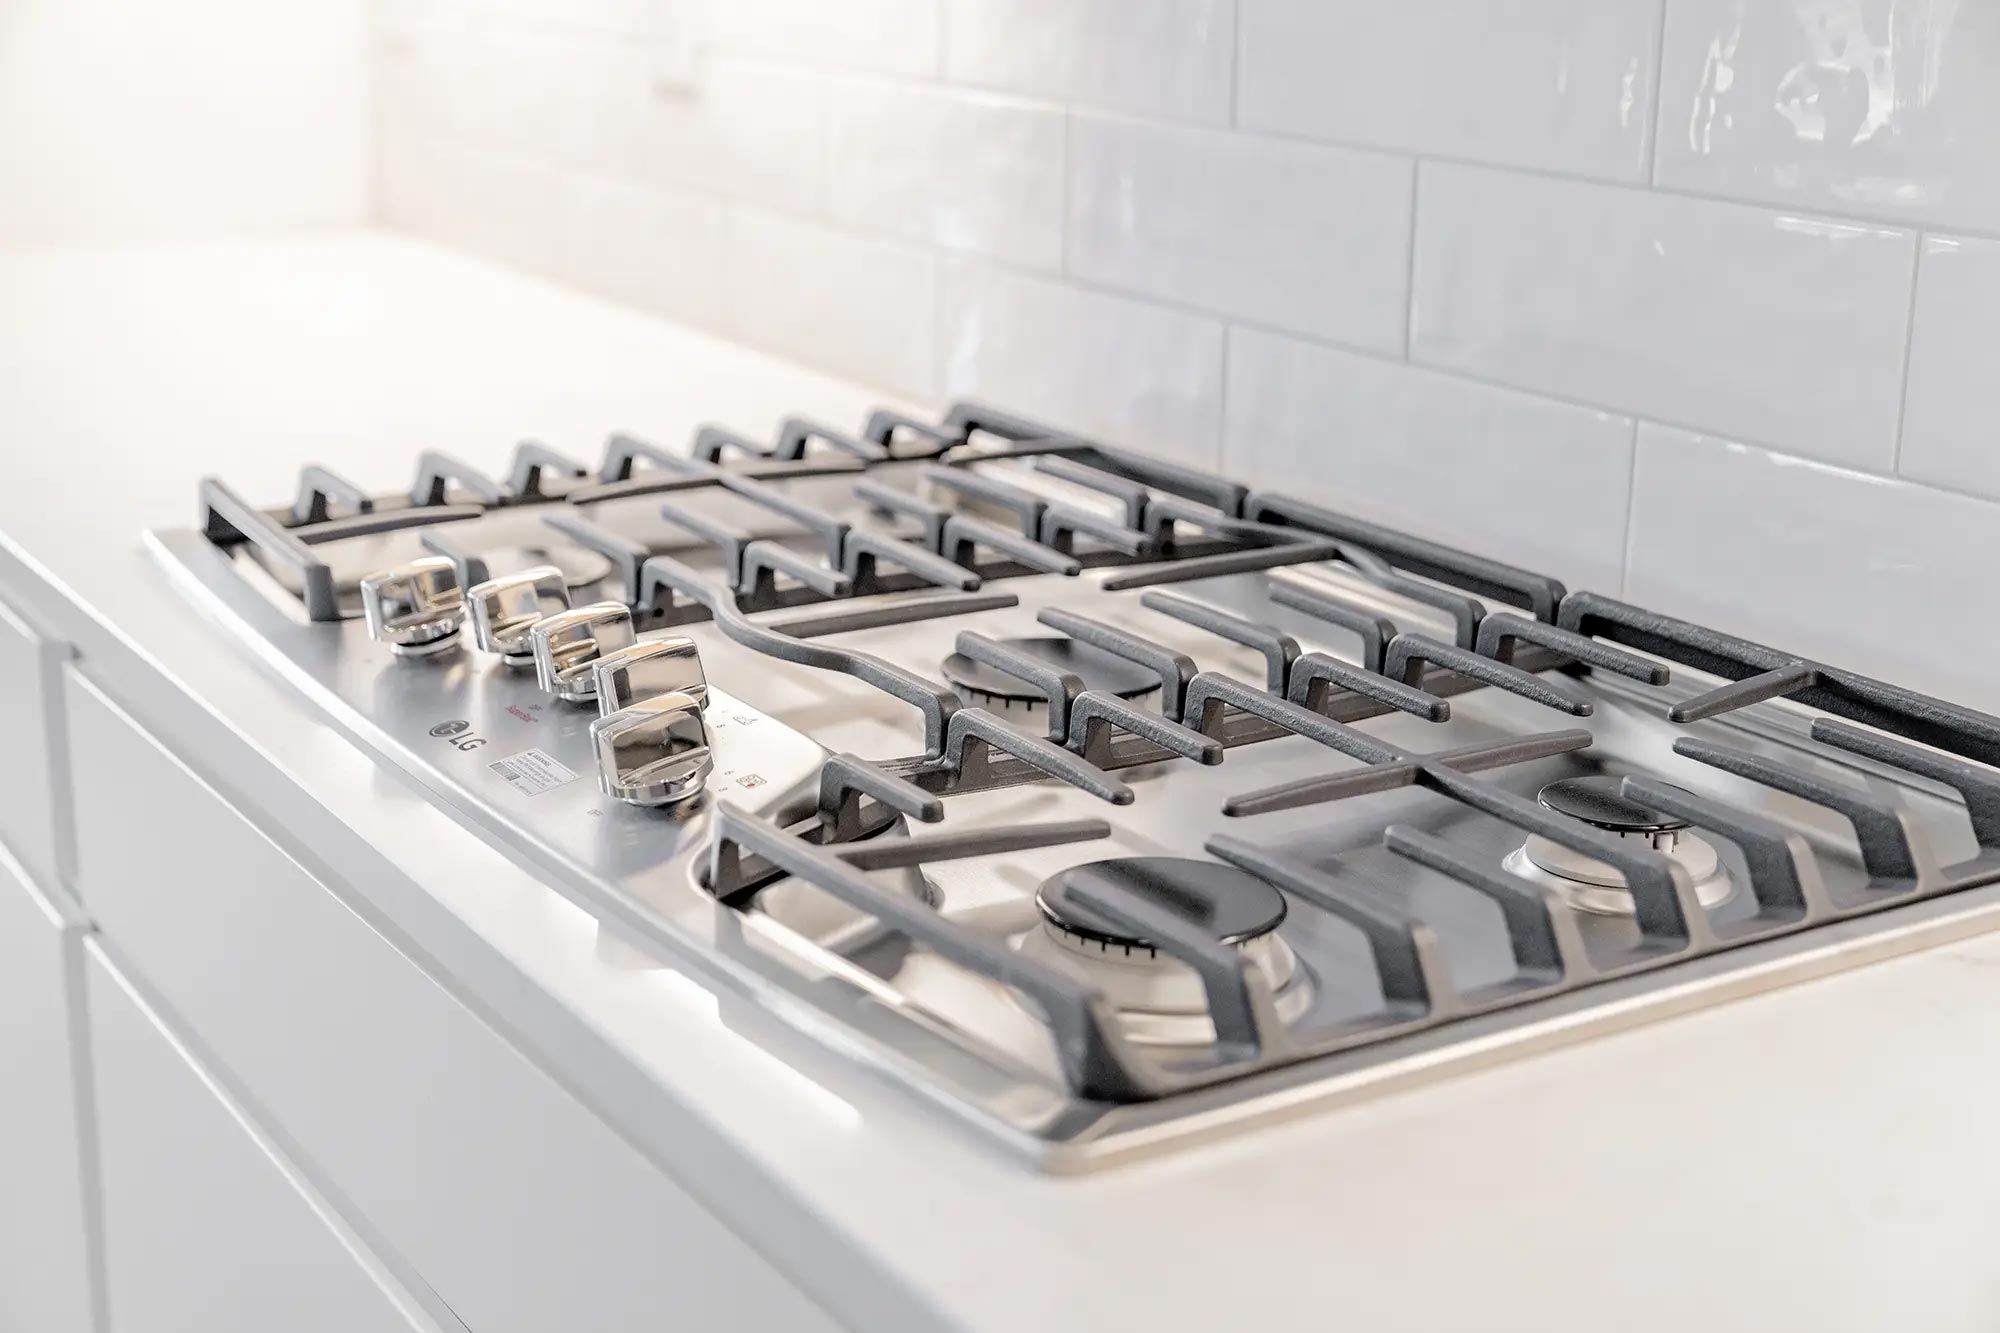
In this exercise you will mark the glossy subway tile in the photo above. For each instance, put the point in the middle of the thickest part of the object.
(962, 171)
(1495, 471)
(1869, 107)
(1289, 234)
(1766, 325)
(1563, 85)
(1168, 58)
(1953, 397)
(885, 36)
(859, 306)
(744, 131)
(1866, 572)
(1135, 373)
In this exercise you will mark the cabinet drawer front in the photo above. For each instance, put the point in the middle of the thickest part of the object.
(45, 1275)
(511, 1199)
(203, 1228)
(29, 676)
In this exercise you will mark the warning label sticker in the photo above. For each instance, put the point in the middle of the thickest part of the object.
(532, 772)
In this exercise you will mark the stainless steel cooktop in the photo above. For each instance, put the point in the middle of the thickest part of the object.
(1103, 801)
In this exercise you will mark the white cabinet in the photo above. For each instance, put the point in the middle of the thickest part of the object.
(29, 681)
(203, 1227)
(516, 1203)
(44, 1264)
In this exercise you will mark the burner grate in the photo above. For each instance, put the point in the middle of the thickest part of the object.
(1186, 526)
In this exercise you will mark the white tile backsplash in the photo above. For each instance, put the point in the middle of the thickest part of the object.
(1865, 572)
(1878, 107)
(662, 250)
(1436, 262)
(1951, 420)
(962, 171)
(1565, 85)
(1163, 57)
(747, 132)
(886, 36)
(860, 306)
(1123, 369)
(1508, 474)
(1267, 230)
(581, 101)
(1781, 329)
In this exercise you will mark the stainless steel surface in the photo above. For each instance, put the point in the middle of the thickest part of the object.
(414, 609)
(1325, 901)
(502, 610)
(653, 752)
(969, 1042)
(568, 645)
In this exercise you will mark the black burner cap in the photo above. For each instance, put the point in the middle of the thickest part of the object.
(1098, 669)
(1233, 905)
(1598, 801)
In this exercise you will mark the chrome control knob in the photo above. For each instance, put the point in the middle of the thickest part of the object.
(503, 610)
(567, 644)
(654, 752)
(657, 666)
(417, 608)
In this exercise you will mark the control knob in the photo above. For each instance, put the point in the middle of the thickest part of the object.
(656, 666)
(417, 608)
(568, 644)
(503, 610)
(652, 741)
(653, 752)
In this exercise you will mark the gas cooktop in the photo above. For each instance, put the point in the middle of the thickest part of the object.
(1105, 801)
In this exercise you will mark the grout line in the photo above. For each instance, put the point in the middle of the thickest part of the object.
(1650, 155)
(1235, 119)
(1068, 167)
(1410, 263)
(940, 346)
(1909, 348)
(1631, 504)
(1222, 403)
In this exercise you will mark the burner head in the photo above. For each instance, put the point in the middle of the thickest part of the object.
(1593, 886)
(1233, 905)
(1098, 670)
(1597, 801)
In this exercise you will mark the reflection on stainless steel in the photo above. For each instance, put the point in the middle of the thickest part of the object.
(414, 610)
(643, 671)
(1315, 820)
(653, 752)
(504, 609)
(568, 645)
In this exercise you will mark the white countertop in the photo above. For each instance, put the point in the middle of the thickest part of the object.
(1819, 1157)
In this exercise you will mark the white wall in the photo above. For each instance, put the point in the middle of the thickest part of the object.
(1692, 298)
(138, 119)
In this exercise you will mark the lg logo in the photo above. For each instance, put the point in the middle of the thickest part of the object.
(456, 731)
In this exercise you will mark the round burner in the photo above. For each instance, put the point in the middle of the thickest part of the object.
(1160, 1000)
(1233, 905)
(1590, 884)
(1098, 670)
(1598, 801)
